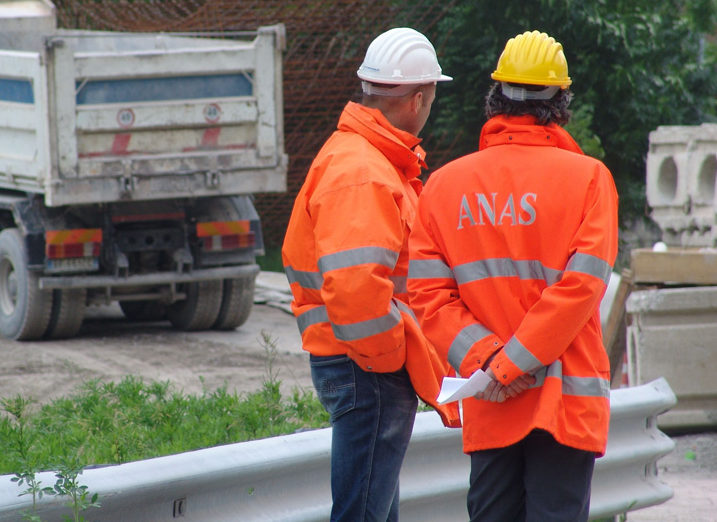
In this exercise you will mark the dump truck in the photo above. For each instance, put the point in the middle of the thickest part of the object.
(128, 165)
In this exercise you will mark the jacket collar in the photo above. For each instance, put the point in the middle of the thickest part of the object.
(401, 148)
(502, 130)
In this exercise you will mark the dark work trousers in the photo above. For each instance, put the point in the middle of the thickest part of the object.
(535, 480)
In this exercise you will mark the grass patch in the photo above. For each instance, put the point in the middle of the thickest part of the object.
(271, 261)
(112, 423)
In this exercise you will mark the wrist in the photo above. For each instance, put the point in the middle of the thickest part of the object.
(486, 365)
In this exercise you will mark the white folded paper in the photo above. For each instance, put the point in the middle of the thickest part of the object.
(456, 388)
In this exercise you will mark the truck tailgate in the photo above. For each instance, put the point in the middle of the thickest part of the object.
(153, 116)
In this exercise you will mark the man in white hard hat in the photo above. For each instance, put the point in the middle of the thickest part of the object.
(346, 257)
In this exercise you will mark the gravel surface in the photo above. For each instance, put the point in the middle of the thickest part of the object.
(109, 347)
(691, 471)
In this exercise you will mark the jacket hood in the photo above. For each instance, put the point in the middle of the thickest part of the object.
(400, 147)
(502, 130)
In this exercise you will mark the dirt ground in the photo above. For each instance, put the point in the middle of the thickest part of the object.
(110, 347)
(690, 470)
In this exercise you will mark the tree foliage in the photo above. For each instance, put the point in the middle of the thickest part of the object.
(635, 65)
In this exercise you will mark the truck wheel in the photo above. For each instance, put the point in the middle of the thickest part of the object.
(144, 310)
(68, 312)
(237, 300)
(199, 311)
(24, 308)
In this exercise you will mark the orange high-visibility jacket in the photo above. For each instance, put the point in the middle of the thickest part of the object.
(346, 252)
(510, 255)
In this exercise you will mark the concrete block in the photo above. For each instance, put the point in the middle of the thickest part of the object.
(667, 166)
(674, 266)
(702, 174)
(672, 334)
(681, 169)
(667, 181)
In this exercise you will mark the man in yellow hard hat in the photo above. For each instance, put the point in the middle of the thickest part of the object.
(346, 256)
(509, 258)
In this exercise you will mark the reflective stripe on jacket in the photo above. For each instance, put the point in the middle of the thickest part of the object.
(510, 255)
(346, 255)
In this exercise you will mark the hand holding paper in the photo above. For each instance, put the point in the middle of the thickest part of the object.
(456, 388)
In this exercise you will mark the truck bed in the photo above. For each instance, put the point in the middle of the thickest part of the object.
(93, 117)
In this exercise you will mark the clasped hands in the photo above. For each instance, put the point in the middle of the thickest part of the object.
(496, 392)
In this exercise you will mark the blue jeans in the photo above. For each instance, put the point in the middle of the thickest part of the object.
(534, 480)
(372, 417)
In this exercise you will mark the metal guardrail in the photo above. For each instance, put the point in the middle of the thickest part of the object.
(625, 478)
(287, 478)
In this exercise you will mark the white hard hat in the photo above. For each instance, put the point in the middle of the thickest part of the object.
(401, 56)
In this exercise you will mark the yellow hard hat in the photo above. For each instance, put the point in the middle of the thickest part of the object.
(533, 58)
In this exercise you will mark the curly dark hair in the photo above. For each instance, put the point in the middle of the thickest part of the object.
(554, 110)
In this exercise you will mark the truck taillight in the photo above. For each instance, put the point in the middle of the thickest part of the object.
(73, 250)
(78, 242)
(225, 235)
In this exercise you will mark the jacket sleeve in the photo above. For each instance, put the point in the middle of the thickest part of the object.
(434, 297)
(359, 234)
(564, 308)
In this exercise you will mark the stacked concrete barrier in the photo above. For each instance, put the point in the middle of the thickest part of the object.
(672, 322)
(681, 175)
(672, 335)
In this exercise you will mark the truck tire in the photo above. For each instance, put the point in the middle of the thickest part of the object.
(237, 301)
(144, 310)
(68, 312)
(24, 308)
(199, 311)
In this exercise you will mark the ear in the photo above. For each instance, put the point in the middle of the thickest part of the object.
(417, 101)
